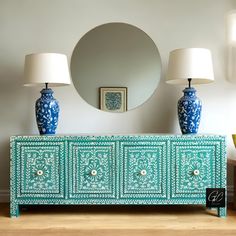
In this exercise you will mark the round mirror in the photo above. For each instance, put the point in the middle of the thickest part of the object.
(115, 67)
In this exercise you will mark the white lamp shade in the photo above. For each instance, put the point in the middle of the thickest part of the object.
(193, 63)
(41, 68)
(231, 27)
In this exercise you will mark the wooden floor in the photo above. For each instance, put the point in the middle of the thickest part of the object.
(116, 220)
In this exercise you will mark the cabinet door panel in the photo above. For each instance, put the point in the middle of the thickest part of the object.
(92, 167)
(193, 168)
(40, 169)
(143, 169)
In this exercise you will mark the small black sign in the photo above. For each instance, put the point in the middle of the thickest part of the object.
(215, 197)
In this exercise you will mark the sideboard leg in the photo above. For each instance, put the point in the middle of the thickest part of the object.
(222, 211)
(14, 210)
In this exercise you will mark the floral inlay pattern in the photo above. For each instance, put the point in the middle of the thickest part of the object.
(142, 169)
(97, 180)
(40, 169)
(142, 161)
(92, 169)
(195, 169)
(115, 169)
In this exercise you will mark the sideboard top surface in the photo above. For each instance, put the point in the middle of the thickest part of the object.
(118, 137)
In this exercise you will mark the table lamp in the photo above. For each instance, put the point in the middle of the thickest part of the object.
(49, 69)
(192, 66)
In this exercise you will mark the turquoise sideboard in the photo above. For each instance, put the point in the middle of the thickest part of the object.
(115, 169)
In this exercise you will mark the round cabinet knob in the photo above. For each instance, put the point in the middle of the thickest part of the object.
(39, 172)
(196, 172)
(93, 172)
(143, 172)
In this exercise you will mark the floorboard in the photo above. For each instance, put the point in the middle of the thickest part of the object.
(116, 221)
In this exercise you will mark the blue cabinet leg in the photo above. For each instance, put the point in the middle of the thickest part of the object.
(222, 211)
(14, 210)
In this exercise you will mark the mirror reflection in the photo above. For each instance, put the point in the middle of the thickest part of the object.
(115, 67)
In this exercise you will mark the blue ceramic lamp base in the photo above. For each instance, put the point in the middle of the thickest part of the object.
(189, 111)
(47, 112)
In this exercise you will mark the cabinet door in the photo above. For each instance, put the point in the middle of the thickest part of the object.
(194, 165)
(92, 169)
(143, 169)
(40, 169)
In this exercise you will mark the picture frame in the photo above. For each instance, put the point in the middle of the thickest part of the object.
(113, 99)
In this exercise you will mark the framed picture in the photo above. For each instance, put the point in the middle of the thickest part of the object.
(113, 99)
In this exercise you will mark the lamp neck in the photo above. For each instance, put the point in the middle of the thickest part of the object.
(189, 82)
(46, 93)
(46, 85)
(189, 93)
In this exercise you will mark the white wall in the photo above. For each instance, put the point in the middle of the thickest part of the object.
(28, 26)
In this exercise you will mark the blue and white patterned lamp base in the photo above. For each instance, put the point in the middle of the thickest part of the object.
(189, 111)
(47, 111)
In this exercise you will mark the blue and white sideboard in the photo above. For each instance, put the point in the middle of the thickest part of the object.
(116, 169)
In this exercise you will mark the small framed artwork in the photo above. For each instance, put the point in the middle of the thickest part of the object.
(113, 99)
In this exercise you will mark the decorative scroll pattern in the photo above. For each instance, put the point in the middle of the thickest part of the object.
(194, 160)
(143, 167)
(191, 159)
(40, 170)
(138, 160)
(113, 158)
(89, 157)
(93, 159)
